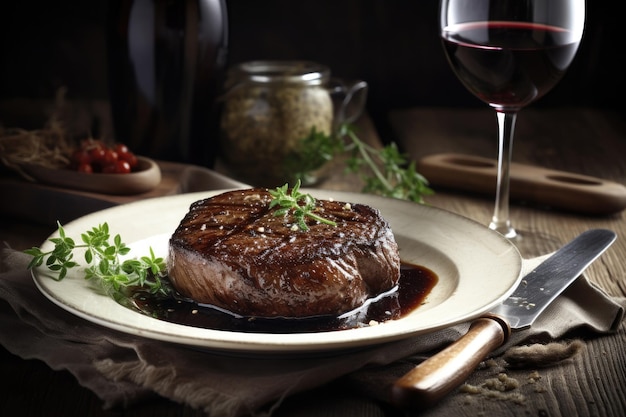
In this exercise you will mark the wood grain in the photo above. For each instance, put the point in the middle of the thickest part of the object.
(578, 140)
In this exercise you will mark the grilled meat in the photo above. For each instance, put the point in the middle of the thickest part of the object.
(232, 252)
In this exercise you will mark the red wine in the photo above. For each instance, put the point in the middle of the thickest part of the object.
(166, 63)
(509, 64)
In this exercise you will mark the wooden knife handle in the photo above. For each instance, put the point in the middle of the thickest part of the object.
(437, 376)
(557, 189)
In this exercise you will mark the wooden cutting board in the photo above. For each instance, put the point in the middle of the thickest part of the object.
(555, 189)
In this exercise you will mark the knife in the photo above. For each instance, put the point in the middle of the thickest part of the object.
(432, 379)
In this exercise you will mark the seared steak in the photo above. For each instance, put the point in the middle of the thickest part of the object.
(232, 252)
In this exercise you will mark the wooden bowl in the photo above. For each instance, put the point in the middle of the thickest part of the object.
(147, 176)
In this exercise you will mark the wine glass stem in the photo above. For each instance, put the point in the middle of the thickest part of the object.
(500, 221)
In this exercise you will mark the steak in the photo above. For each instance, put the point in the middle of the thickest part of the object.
(231, 251)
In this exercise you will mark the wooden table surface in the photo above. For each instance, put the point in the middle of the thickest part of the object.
(592, 383)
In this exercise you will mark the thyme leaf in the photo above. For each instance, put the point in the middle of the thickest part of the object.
(314, 150)
(384, 171)
(299, 205)
(104, 264)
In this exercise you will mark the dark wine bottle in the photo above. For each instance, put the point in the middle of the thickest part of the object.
(166, 61)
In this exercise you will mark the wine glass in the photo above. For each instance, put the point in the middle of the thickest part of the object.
(509, 53)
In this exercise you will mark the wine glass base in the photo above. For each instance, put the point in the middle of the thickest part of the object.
(504, 228)
(530, 244)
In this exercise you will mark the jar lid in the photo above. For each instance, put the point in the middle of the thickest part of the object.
(299, 72)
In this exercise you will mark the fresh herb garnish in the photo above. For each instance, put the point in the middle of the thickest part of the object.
(385, 171)
(313, 151)
(105, 265)
(300, 205)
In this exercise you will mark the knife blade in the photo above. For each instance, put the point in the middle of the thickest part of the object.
(434, 378)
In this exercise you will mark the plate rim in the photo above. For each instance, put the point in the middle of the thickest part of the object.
(267, 342)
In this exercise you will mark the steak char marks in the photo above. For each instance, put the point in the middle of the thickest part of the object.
(232, 252)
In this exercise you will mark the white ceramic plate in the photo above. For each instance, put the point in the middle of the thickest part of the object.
(477, 269)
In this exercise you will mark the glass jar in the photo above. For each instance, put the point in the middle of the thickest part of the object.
(270, 107)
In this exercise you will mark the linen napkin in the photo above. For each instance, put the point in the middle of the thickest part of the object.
(122, 369)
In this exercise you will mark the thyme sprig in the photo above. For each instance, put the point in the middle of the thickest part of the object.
(300, 205)
(385, 171)
(313, 151)
(104, 262)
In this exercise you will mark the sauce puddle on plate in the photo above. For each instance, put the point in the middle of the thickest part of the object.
(414, 285)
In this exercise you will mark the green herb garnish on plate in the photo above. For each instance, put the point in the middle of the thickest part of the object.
(105, 266)
(299, 205)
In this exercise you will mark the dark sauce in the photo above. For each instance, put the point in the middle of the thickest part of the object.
(414, 285)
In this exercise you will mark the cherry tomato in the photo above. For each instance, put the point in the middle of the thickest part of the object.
(97, 154)
(120, 148)
(109, 157)
(119, 167)
(122, 167)
(130, 158)
(85, 168)
(93, 155)
(124, 154)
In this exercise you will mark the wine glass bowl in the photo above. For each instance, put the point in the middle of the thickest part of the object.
(510, 53)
